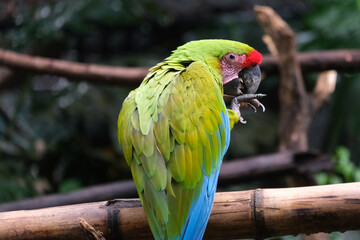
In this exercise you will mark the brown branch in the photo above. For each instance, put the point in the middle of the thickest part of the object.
(235, 171)
(72, 70)
(294, 108)
(256, 214)
(271, 165)
(121, 189)
(343, 60)
(316, 61)
(324, 87)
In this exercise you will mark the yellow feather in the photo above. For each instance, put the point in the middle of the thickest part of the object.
(191, 139)
(178, 134)
(176, 163)
(159, 178)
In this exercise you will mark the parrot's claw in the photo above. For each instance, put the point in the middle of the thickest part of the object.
(249, 101)
(241, 119)
(251, 106)
(262, 107)
(254, 104)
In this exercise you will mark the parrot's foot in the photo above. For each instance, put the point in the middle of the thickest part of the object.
(249, 101)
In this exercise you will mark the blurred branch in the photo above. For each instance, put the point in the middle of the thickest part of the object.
(256, 214)
(270, 165)
(342, 60)
(316, 61)
(294, 103)
(72, 70)
(277, 164)
(122, 189)
(324, 87)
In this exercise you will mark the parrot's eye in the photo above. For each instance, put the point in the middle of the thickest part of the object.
(232, 57)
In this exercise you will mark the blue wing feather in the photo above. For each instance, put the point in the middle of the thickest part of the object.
(200, 210)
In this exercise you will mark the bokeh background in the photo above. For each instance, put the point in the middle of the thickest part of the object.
(58, 135)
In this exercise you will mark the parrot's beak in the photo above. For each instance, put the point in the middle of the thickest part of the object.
(251, 78)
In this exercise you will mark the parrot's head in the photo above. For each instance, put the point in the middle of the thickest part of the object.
(234, 64)
(241, 72)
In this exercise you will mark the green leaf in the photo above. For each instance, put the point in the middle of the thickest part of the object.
(69, 185)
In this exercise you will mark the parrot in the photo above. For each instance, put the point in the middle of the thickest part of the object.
(175, 130)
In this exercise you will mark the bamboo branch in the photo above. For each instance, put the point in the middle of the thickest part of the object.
(256, 214)
(231, 172)
(342, 60)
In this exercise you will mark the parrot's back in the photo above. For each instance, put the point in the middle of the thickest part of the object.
(175, 130)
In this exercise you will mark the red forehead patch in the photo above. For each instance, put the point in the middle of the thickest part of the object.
(254, 58)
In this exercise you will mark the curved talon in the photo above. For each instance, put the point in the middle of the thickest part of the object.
(252, 106)
(262, 107)
(242, 120)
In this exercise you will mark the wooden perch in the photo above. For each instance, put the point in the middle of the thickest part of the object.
(342, 60)
(256, 214)
(231, 172)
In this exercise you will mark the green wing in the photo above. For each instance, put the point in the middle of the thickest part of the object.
(172, 135)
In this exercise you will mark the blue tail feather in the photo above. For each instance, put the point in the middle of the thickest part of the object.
(200, 209)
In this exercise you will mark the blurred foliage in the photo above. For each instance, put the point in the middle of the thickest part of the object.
(345, 170)
(334, 24)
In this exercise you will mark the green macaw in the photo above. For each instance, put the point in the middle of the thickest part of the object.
(175, 129)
